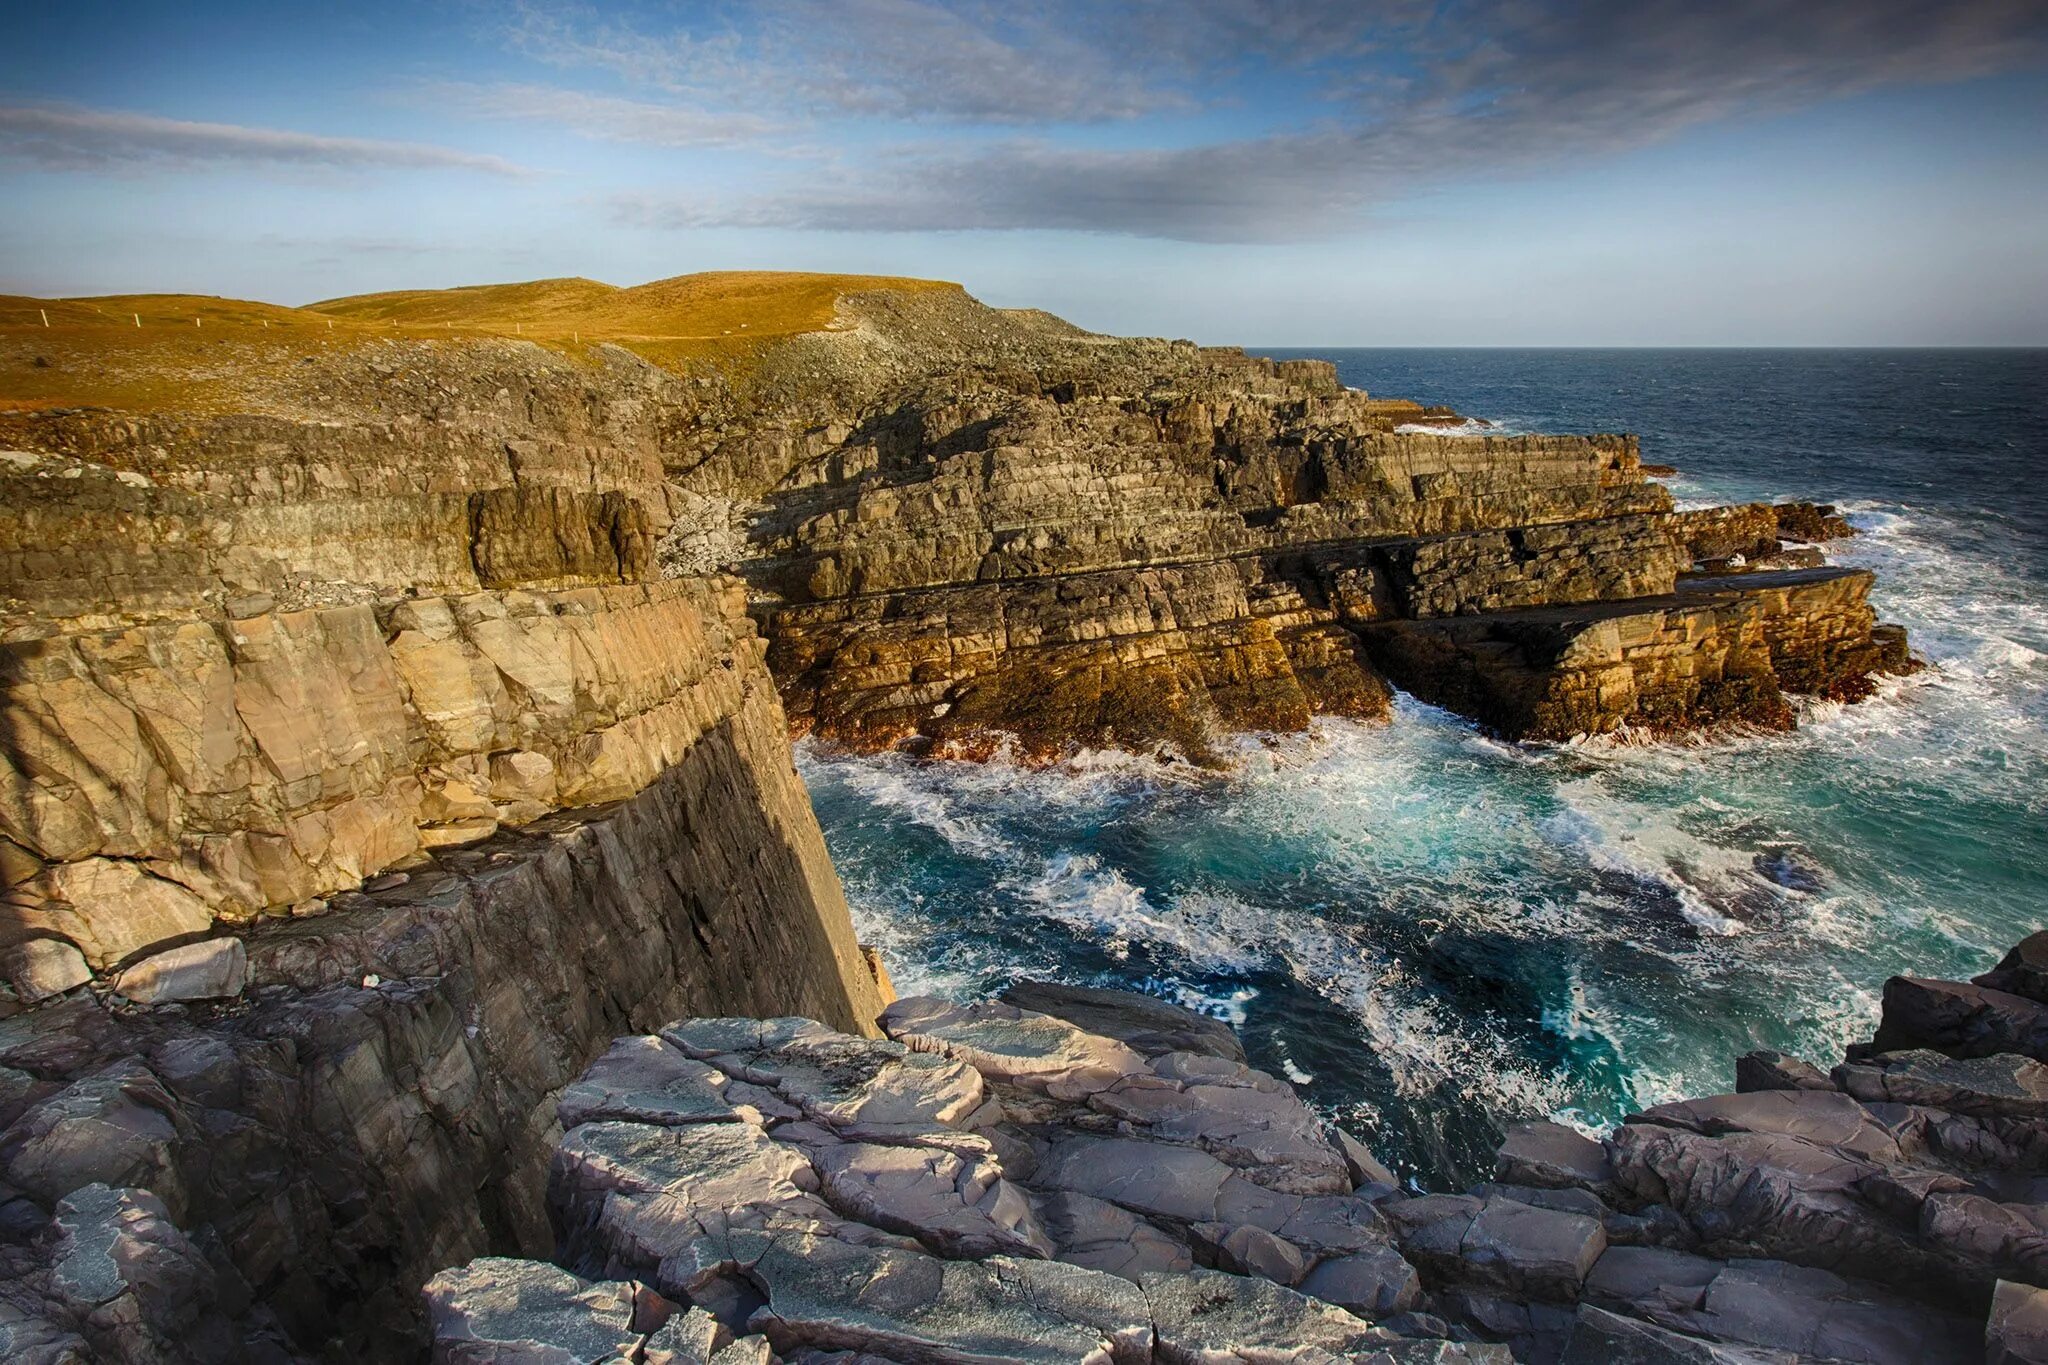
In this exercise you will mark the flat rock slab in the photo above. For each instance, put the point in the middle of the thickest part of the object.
(1155, 1178)
(1005, 1043)
(835, 1078)
(958, 1205)
(1602, 1338)
(500, 1311)
(1205, 1317)
(826, 1295)
(2003, 1085)
(645, 1080)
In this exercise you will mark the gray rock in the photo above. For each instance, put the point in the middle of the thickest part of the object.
(212, 969)
(861, 1085)
(1373, 1284)
(1552, 1155)
(1541, 1252)
(826, 1295)
(42, 967)
(1776, 1071)
(136, 1285)
(689, 1338)
(630, 1196)
(2004, 1085)
(1246, 1250)
(1813, 1312)
(2016, 1333)
(1603, 1338)
(1151, 1026)
(1147, 1177)
(1208, 1318)
(2023, 971)
(1962, 1020)
(112, 1127)
(958, 1206)
(500, 1311)
(645, 1080)
(1100, 1235)
(1267, 1132)
(1650, 1280)
(32, 1339)
(1002, 1042)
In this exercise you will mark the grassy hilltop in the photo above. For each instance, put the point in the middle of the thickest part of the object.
(148, 352)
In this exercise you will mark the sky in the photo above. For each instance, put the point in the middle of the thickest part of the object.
(1261, 172)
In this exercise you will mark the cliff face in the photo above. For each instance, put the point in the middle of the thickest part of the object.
(360, 777)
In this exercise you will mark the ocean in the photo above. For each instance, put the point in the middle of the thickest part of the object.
(1433, 933)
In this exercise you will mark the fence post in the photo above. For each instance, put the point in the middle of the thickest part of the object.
(46, 316)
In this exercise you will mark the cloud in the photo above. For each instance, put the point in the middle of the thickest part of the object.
(1424, 93)
(605, 117)
(69, 138)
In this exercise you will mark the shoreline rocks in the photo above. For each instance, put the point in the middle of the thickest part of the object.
(1172, 1204)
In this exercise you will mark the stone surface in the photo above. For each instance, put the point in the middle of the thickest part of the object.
(210, 970)
(2016, 1333)
(495, 1311)
(1148, 1025)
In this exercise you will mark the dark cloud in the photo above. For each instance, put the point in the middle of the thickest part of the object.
(71, 138)
(1406, 94)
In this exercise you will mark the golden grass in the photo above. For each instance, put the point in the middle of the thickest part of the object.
(159, 352)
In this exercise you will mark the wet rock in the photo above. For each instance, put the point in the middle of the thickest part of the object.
(1150, 1026)
(496, 1311)
(210, 970)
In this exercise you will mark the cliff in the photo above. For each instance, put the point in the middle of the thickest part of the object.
(398, 692)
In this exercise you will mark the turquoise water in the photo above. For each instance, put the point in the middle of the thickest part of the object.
(1434, 933)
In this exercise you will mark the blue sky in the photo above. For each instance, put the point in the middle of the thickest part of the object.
(1270, 172)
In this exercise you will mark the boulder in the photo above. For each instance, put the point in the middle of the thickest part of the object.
(2022, 971)
(1961, 1020)
(1550, 1154)
(1373, 1284)
(213, 969)
(39, 968)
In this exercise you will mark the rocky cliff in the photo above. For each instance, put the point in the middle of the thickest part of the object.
(392, 708)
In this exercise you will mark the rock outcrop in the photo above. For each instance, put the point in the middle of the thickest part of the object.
(396, 710)
(993, 1183)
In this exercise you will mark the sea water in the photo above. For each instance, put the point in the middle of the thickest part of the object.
(1433, 933)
